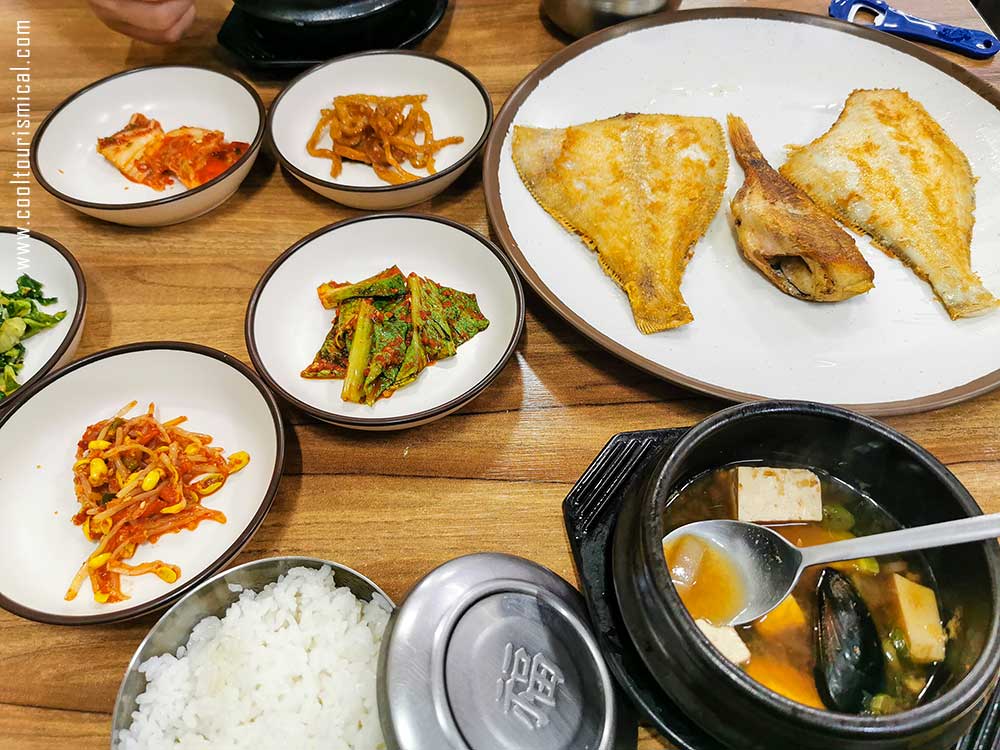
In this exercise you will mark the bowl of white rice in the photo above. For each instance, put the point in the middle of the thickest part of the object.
(275, 653)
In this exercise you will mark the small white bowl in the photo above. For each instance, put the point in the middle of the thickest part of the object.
(456, 101)
(43, 549)
(286, 324)
(64, 154)
(51, 264)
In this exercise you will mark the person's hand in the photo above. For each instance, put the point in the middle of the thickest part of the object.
(156, 21)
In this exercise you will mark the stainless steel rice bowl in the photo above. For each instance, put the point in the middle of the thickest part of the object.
(212, 598)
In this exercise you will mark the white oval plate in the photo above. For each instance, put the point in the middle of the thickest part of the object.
(48, 262)
(43, 549)
(893, 350)
(64, 153)
(286, 323)
(456, 101)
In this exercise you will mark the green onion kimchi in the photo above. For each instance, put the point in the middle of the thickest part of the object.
(387, 329)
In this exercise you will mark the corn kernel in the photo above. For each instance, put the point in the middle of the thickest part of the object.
(98, 560)
(86, 528)
(98, 445)
(176, 508)
(151, 480)
(208, 484)
(192, 449)
(238, 461)
(100, 597)
(167, 574)
(81, 463)
(98, 471)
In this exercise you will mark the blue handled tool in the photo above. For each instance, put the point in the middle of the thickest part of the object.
(969, 42)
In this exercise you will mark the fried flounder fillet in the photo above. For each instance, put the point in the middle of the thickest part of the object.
(888, 169)
(640, 190)
(790, 240)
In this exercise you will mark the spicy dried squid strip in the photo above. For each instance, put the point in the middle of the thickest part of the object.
(380, 131)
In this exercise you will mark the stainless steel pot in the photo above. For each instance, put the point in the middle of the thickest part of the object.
(581, 17)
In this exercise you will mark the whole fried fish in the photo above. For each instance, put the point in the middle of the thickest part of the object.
(887, 168)
(640, 190)
(796, 246)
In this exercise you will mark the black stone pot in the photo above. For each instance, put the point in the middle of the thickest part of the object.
(313, 12)
(907, 482)
(320, 29)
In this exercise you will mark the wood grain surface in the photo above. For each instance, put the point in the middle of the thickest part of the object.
(491, 477)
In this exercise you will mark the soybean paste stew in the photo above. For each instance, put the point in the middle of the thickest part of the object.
(863, 636)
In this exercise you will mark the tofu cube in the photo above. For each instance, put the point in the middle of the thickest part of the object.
(920, 620)
(786, 616)
(766, 495)
(684, 558)
(727, 640)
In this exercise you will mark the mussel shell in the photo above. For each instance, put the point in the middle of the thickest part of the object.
(849, 659)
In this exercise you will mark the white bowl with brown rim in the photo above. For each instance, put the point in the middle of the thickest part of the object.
(64, 155)
(220, 395)
(52, 265)
(286, 324)
(457, 103)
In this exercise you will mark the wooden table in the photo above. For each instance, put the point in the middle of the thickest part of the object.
(491, 477)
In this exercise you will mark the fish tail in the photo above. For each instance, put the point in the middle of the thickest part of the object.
(653, 320)
(660, 314)
(743, 143)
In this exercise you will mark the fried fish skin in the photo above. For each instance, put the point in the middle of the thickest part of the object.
(640, 190)
(791, 241)
(888, 169)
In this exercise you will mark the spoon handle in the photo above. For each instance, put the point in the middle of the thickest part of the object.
(975, 529)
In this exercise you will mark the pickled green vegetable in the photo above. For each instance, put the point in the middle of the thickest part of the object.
(432, 327)
(357, 361)
(391, 335)
(388, 329)
(20, 319)
(463, 314)
(388, 283)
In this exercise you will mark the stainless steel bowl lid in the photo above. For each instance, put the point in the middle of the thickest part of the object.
(493, 652)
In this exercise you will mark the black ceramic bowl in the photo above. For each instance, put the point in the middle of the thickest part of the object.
(900, 476)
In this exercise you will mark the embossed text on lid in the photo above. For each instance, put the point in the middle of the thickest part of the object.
(492, 652)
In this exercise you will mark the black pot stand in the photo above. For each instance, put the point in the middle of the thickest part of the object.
(591, 513)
